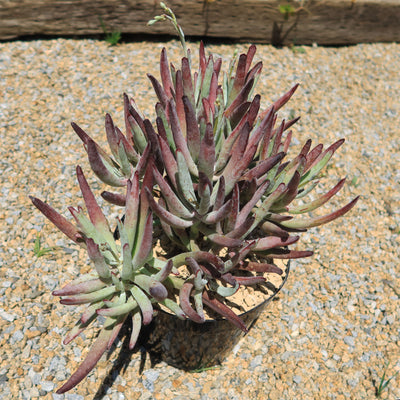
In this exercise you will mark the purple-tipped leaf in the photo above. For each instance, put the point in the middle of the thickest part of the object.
(95, 213)
(88, 286)
(114, 198)
(270, 242)
(261, 267)
(192, 129)
(172, 200)
(165, 215)
(316, 221)
(207, 153)
(94, 355)
(158, 89)
(89, 297)
(144, 304)
(224, 310)
(106, 172)
(58, 220)
(319, 201)
(136, 327)
(165, 74)
(184, 302)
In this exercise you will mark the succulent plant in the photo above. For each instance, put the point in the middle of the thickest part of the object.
(213, 173)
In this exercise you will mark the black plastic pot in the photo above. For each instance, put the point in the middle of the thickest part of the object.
(190, 346)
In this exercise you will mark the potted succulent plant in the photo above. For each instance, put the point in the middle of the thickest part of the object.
(209, 202)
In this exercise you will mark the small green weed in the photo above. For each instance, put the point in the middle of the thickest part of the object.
(205, 369)
(354, 182)
(112, 37)
(383, 383)
(39, 250)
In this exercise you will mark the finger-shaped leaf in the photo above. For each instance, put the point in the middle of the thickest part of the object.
(241, 230)
(180, 112)
(184, 179)
(116, 329)
(270, 242)
(58, 220)
(132, 209)
(278, 104)
(144, 304)
(257, 134)
(169, 161)
(136, 327)
(87, 286)
(292, 254)
(249, 56)
(217, 216)
(184, 302)
(119, 309)
(262, 211)
(163, 127)
(231, 218)
(78, 329)
(224, 291)
(261, 267)
(179, 139)
(316, 221)
(112, 137)
(152, 138)
(114, 198)
(289, 195)
(144, 243)
(106, 172)
(207, 153)
(204, 191)
(221, 240)
(320, 162)
(240, 76)
(98, 259)
(250, 280)
(164, 272)
(165, 215)
(90, 311)
(273, 229)
(89, 297)
(319, 201)
(192, 129)
(223, 310)
(94, 355)
(172, 306)
(187, 81)
(312, 156)
(86, 138)
(248, 207)
(218, 194)
(151, 286)
(95, 213)
(198, 280)
(240, 98)
(172, 200)
(158, 89)
(165, 74)
(253, 110)
(137, 130)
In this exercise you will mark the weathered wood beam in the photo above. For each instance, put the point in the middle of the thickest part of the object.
(326, 22)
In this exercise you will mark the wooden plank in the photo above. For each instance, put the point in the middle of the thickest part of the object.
(326, 22)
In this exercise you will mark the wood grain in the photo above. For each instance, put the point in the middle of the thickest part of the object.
(326, 22)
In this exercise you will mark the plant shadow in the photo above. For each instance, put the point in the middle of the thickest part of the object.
(121, 364)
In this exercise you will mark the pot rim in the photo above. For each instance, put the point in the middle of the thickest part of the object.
(260, 305)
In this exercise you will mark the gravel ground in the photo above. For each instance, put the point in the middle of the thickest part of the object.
(336, 323)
